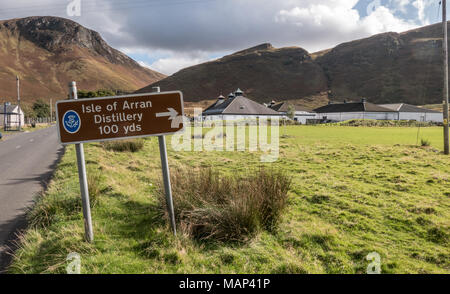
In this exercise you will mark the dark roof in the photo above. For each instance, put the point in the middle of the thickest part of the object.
(9, 109)
(284, 107)
(239, 105)
(402, 107)
(352, 107)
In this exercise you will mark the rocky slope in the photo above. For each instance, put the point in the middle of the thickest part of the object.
(388, 68)
(47, 52)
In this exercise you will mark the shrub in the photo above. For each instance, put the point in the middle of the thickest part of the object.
(382, 123)
(425, 142)
(124, 145)
(210, 206)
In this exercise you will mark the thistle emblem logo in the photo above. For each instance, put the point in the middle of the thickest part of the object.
(71, 121)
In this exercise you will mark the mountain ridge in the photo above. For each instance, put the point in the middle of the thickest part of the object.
(47, 52)
(384, 68)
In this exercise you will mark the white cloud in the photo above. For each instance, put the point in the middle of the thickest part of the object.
(421, 6)
(171, 65)
(337, 21)
(174, 62)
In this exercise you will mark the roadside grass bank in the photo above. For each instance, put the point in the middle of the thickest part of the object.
(354, 191)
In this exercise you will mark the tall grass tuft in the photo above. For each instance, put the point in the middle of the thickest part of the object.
(211, 206)
(95, 185)
(425, 143)
(124, 145)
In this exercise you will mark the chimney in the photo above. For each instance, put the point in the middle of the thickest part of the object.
(238, 93)
(231, 96)
(220, 100)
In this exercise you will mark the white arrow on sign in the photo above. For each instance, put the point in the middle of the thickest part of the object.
(173, 116)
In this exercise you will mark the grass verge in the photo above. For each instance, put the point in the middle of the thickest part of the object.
(353, 191)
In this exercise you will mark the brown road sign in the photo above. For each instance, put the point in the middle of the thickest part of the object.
(111, 118)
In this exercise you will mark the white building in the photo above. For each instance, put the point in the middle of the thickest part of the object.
(355, 110)
(10, 115)
(301, 114)
(237, 107)
(411, 112)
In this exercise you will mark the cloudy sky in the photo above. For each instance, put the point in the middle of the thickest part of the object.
(168, 35)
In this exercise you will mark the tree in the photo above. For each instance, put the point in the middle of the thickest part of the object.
(93, 94)
(41, 109)
(291, 112)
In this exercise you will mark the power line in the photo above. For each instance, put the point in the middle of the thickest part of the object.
(102, 6)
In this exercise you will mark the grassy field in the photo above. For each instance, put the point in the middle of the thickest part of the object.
(354, 191)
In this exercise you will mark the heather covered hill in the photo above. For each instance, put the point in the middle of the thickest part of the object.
(47, 52)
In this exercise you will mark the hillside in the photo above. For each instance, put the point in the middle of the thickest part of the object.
(264, 72)
(47, 52)
(388, 68)
(385, 68)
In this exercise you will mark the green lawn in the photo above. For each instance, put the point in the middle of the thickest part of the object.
(355, 191)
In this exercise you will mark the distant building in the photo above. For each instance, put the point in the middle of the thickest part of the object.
(301, 114)
(411, 112)
(10, 115)
(236, 107)
(355, 110)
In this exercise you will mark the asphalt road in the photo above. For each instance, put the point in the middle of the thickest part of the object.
(27, 161)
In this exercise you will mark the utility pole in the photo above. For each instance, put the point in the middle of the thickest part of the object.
(51, 113)
(445, 55)
(18, 102)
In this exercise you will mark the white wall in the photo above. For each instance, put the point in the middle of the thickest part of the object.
(420, 116)
(343, 116)
(234, 117)
(301, 118)
(13, 119)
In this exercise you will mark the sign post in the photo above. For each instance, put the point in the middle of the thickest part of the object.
(166, 173)
(89, 233)
(119, 117)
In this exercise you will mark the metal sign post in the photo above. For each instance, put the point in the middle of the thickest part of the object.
(445, 57)
(166, 178)
(83, 178)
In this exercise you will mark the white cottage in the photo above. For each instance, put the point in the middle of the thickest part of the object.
(410, 112)
(10, 115)
(301, 115)
(355, 110)
(237, 107)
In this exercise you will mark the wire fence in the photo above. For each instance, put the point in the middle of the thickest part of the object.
(39, 120)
